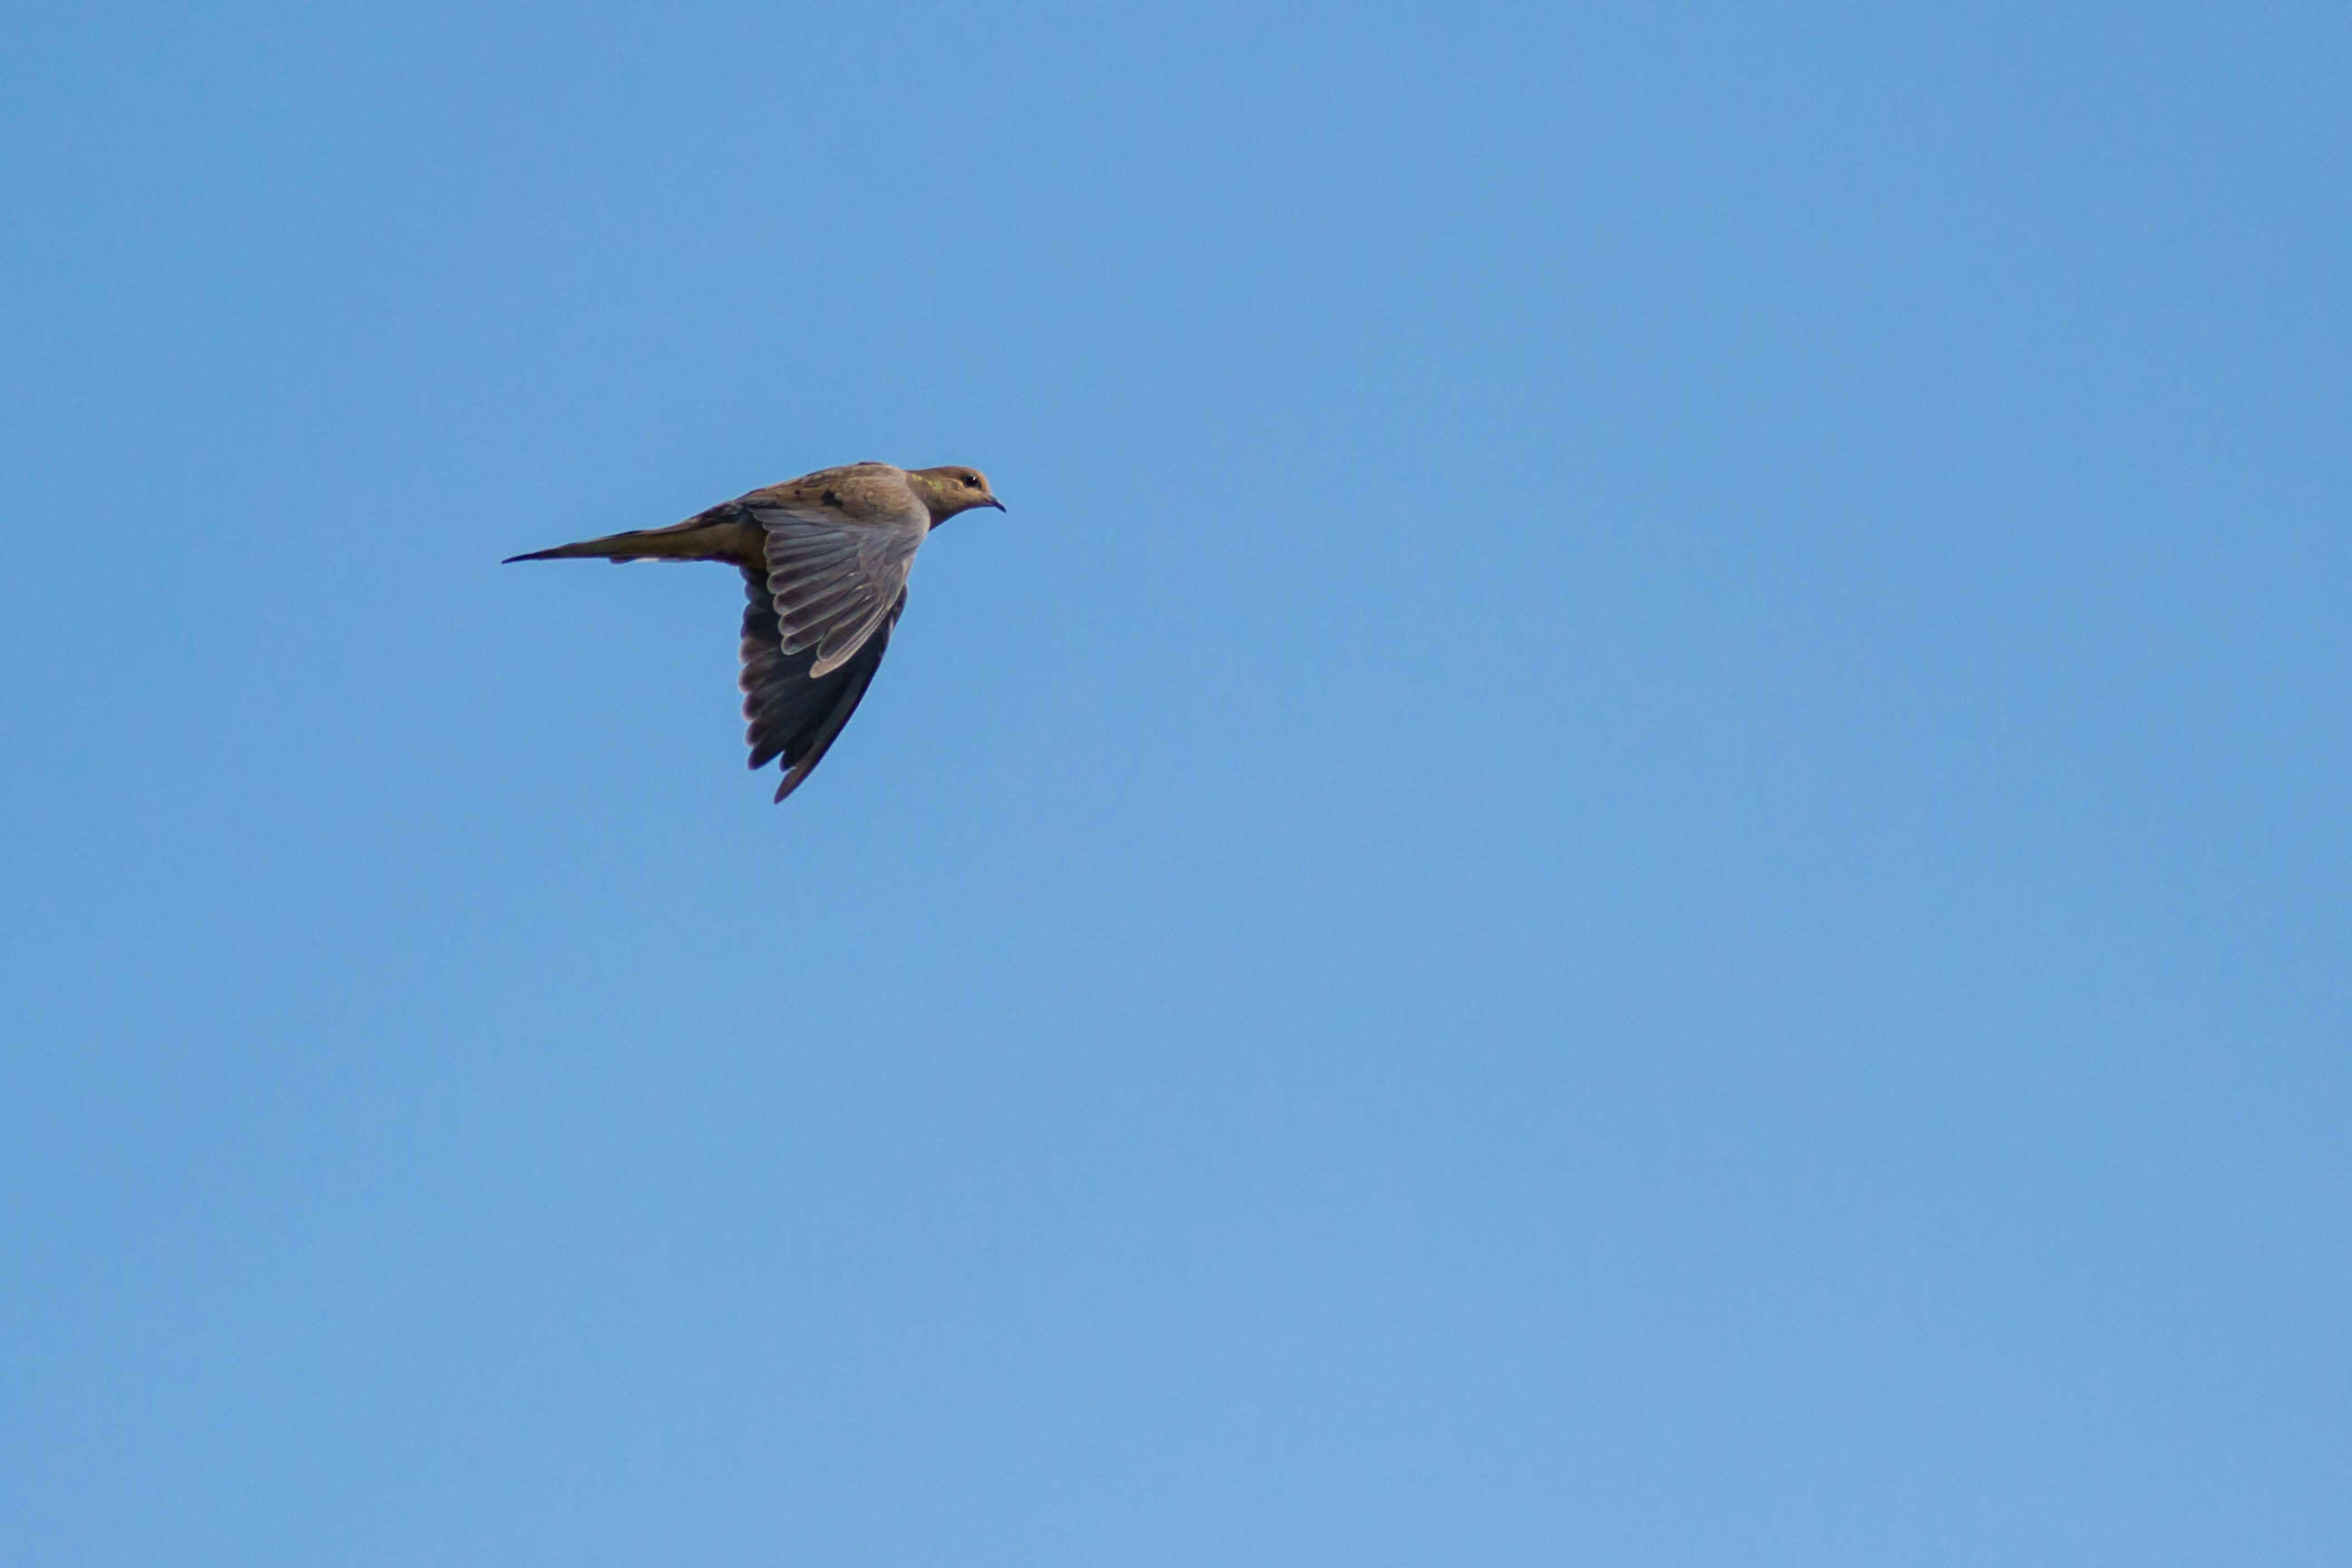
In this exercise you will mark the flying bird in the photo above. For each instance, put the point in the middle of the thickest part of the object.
(825, 560)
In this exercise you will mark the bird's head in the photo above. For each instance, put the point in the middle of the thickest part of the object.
(946, 491)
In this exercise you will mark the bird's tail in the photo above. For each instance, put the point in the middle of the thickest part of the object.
(696, 539)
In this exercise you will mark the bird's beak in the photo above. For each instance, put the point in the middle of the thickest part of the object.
(993, 501)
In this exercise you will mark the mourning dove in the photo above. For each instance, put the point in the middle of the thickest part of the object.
(825, 561)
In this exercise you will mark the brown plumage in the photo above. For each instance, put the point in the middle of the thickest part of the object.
(825, 561)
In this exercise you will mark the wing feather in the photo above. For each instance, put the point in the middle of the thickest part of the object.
(834, 579)
(789, 712)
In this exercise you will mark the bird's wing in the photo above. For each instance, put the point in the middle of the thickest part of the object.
(791, 713)
(833, 577)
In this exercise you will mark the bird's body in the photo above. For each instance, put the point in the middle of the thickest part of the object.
(825, 561)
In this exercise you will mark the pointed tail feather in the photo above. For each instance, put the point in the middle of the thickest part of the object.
(696, 539)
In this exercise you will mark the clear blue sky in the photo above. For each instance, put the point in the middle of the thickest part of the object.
(1635, 851)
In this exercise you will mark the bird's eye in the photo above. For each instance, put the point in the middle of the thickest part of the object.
(973, 480)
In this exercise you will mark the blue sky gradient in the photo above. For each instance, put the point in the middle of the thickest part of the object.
(1636, 850)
